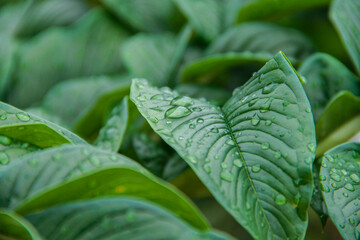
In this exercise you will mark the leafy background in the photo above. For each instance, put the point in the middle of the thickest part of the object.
(69, 64)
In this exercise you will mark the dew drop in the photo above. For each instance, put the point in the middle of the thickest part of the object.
(277, 155)
(141, 98)
(252, 102)
(311, 147)
(255, 120)
(268, 122)
(207, 168)
(214, 130)
(227, 176)
(4, 159)
(308, 110)
(153, 119)
(177, 112)
(280, 199)
(230, 142)
(335, 177)
(355, 177)
(256, 168)
(224, 165)
(165, 132)
(33, 162)
(196, 109)
(200, 120)
(238, 163)
(192, 159)
(95, 161)
(270, 87)
(324, 188)
(23, 117)
(3, 116)
(130, 216)
(192, 126)
(345, 195)
(182, 101)
(322, 178)
(4, 140)
(349, 187)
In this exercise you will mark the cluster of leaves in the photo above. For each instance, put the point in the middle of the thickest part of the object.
(81, 161)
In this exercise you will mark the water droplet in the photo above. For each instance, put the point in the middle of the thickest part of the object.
(224, 165)
(192, 159)
(268, 122)
(335, 177)
(33, 162)
(196, 109)
(265, 145)
(4, 140)
(270, 87)
(308, 110)
(56, 157)
(352, 221)
(345, 195)
(200, 120)
(238, 163)
(308, 160)
(192, 126)
(161, 97)
(207, 168)
(342, 226)
(153, 119)
(94, 160)
(311, 147)
(177, 112)
(230, 142)
(4, 159)
(349, 187)
(344, 172)
(141, 98)
(255, 120)
(3, 116)
(182, 101)
(355, 177)
(265, 107)
(252, 102)
(277, 155)
(280, 199)
(256, 168)
(85, 152)
(322, 178)
(227, 176)
(323, 164)
(165, 132)
(324, 188)
(23, 117)
(214, 130)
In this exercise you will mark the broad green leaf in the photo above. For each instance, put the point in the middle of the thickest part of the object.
(317, 202)
(216, 96)
(14, 226)
(84, 103)
(40, 15)
(258, 37)
(249, 10)
(340, 178)
(339, 122)
(111, 135)
(62, 174)
(115, 218)
(155, 56)
(205, 16)
(63, 53)
(17, 124)
(254, 154)
(326, 76)
(152, 155)
(145, 15)
(345, 15)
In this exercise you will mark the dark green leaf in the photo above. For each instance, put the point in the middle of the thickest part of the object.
(345, 15)
(16, 227)
(115, 218)
(339, 122)
(205, 16)
(111, 135)
(155, 56)
(145, 15)
(64, 53)
(84, 103)
(340, 178)
(326, 76)
(255, 154)
(264, 9)
(57, 175)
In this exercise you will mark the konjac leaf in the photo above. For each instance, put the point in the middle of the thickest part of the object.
(115, 218)
(145, 15)
(14, 226)
(326, 76)
(250, 10)
(254, 154)
(339, 122)
(205, 16)
(111, 135)
(84, 103)
(67, 173)
(345, 15)
(340, 178)
(155, 56)
(63, 53)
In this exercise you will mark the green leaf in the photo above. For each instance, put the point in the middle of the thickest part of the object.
(114, 218)
(326, 76)
(205, 16)
(155, 56)
(340, 178)
(145, 15)
(67, 173)
(245, 44)
(259, 37)
(254, 154)
(111, 135)
(345, 15)
(84, 103)
(14, 226)
(63, 53)
(339, 122)
(40, 15)
(249, 10)
(29, 128)
(214, 95)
